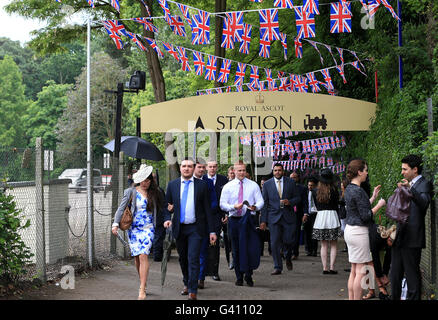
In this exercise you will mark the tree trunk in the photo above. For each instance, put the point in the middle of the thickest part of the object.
(157, 80)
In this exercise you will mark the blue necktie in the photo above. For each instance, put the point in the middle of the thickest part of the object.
(184, 200)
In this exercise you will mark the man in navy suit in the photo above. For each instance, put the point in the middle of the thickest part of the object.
(188, 199)
(280, 195)
(301, 209)
(410, 238)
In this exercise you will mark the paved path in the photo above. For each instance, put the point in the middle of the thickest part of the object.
(304, 282)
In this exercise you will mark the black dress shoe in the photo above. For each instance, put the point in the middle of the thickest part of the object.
(239, 282)
(289, 265)
(276, 272)
(333, 272)
(216, 278)
(249, 282)
(185, 291)
(326, 272)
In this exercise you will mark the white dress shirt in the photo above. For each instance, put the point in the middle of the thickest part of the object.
(190, 205)
(230, 196)
(413, 181)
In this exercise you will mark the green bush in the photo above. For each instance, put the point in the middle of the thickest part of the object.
(13, 252)
(429, 152)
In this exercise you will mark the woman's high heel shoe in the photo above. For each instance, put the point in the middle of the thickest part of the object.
(142, 294)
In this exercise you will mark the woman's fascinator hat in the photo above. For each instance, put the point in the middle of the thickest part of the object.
(143, 173)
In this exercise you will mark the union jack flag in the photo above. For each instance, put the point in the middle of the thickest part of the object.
(357, 58)
(154, 46)
(115, 28)
(171, 50)
(298, 48)
(340, 18)
(305, 23)
(251, 87)
(283, 37)
(246, 39)
(148, 25)
(314, 84)
(327, 78)
(269, 23)
(356, 65)
(255, 77)
(268, 73)
(341, 72)
(346, 6)
(177, 26)
(341, 55)
(227, 35)
(228, 89)
(201, 27)
(262, 86)
(236, 23)
(240, 74)
(272, 85)
(224, 71)
(210, 73)
(166, 10)
(311, 6)
(302, 84)
(332, 143)
(199, 63)
(136, 40)
(239, 89)
(343, 144)
(115, 4)
(218, 90)
(90, 2)
(265, 45)
(283, 84)
(182, 56)
(284, 4)
(294, 82)
(185, 11)
(390, 8)
(373, 6)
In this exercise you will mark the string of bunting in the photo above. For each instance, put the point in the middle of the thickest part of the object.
(313, 162)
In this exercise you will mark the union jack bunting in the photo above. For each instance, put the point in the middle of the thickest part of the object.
(236, 23)
(262, 86)
(305, 23)
(329, 48)
(255, 77)
(343, 144)
(154, 46)
(146, 7)
(239, 89)
(227, 35)
(340, 18)
(201, 27)
(228, 89)
(148, 25)
(210, 73)
(311, 6)
(373, 6)
(390, 8)
(302, 84)
(283, 84)
(199, 63)
(356, 65)
(224, 71)
(364, 5)
(265, 45)
(182, 56)
(357, 58)
(218, 90)
(90, 2)
(313, 83)
(283, 37)
(298, 48)
(136, 40)
(284, 4)
(251, 87)
(272, 85)
(268, 73)
(115, 4)
(341, 72)
(314, 45)
(346, 6)
(240, 74)
(246, 39)
(281, 74)
(114, 29)
(332, 143)
(163, 4)
(185, 11)
(294, 82)
(171, 50)
(177, 26)
(269, 23)
(341, 55)
(327, 78)
(330, 89)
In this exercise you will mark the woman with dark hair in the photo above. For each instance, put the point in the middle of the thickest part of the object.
(327, 227)
(359, 218)
(146, 202)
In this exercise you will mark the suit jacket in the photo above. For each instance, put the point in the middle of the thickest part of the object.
(204, 219)
(220, 182)
(412, 234)
(271, 211)
(303, 205)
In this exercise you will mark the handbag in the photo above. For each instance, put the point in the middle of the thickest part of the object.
(398, 205)
(127, 218)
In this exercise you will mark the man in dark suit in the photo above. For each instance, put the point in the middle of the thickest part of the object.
(188, 199)
(280, 195)
(301, 209)
(411, 237)
(218, 181)
(310, 216)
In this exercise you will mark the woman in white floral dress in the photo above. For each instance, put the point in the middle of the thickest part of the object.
(146, 202)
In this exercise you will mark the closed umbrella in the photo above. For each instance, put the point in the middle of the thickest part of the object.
(137, 147)
(167, 248)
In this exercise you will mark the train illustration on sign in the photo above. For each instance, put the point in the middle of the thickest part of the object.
(315, 122)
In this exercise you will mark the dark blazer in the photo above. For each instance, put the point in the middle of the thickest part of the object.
(204, 219)
(412, 234)
(303, 206)
(271, 211)
(220, 182)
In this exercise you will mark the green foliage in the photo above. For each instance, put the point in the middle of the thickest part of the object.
(13, 252)
(429, 152)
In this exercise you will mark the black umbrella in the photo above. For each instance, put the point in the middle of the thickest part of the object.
(137, 147)
(167, 248)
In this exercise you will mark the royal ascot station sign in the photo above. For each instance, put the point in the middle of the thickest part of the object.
(259, 111)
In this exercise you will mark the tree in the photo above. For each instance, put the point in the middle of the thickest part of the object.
(13, 104)
(43, 114)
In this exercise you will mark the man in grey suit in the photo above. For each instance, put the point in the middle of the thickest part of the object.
(280, 195)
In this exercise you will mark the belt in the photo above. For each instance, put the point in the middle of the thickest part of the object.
(236, 217)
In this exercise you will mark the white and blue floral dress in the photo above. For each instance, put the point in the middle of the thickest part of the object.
(141, 232)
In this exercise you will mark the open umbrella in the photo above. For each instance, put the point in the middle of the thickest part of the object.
(167, 248)
(137, 147)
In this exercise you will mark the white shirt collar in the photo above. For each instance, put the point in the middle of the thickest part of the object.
(213, 177)
(281, 179)
(191, 179)
(415, 179)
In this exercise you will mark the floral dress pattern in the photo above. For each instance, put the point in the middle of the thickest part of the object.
(141, 232)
